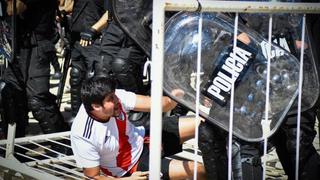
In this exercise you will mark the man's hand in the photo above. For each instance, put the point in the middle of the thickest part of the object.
(21, 7)
(243, 37)
(168, 103)
(139, 175)
(88, 37)
(179, 93)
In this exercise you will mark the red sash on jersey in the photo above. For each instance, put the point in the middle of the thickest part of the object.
(124, 156)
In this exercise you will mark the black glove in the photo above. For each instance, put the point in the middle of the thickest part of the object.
(89, 35)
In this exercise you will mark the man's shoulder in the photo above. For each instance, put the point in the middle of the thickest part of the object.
(83, 129)
(80, 122)
(127, 98)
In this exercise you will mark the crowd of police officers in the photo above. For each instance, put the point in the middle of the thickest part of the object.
(100, 47)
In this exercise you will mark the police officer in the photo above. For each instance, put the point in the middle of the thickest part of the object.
(121, 57)
(27, 78)
(213, 142)
(288, 28)
(246, 163)
(85, 43)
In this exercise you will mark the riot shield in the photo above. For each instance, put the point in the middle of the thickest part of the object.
(287, 34)
(135, 19)
(219, 61)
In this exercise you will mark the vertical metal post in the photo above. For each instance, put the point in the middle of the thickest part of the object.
(235, 35)
(10, 140)
(12, 125)
(266, 122)
(300, 96)
(195, 173)
(156, 88)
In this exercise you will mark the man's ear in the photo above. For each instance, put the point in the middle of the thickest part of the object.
(96, 107)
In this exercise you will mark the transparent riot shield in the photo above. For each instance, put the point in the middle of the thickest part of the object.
(135, 19)
(219, 61)
(286, 33)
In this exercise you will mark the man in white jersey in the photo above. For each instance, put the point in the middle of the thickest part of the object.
(106, 145)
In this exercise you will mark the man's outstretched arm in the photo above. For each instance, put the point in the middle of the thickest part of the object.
(94, 173)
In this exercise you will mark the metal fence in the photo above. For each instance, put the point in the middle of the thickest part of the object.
(46, 162)
(158, 55)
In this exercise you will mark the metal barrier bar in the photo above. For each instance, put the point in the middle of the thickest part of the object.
(24, 169)
(159, 7)
(242, 6)
(38, 137)
(156, 87)
(41, 158)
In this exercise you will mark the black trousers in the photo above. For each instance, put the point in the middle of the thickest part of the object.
(213, 145)
(87, 58)
(123, 58)
(285, 142)
(29, 76)
(86, 62)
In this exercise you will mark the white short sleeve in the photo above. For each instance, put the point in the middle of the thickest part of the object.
(85, 153)
(128, 99)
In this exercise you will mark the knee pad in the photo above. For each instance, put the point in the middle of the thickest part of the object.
(76, 76)
(128, 74)
(38, 109)
(76, 79)
(48, 115)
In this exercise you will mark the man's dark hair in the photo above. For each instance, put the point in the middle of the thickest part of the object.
(95, 89)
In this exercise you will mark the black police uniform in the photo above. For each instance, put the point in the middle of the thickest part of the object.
(122, 57)
(211, 139)
(86, 61)
(285, 138)
(27, 77)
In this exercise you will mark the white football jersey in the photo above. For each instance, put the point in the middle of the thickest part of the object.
(115, 146)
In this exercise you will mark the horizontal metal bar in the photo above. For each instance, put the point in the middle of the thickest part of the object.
(57, 142)
(54, 163)
(48, 149)
(242, 6)
(39, 137)
(66, 160)
(26, 170)
(66, 171)
(39, 167)
(33, 151)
